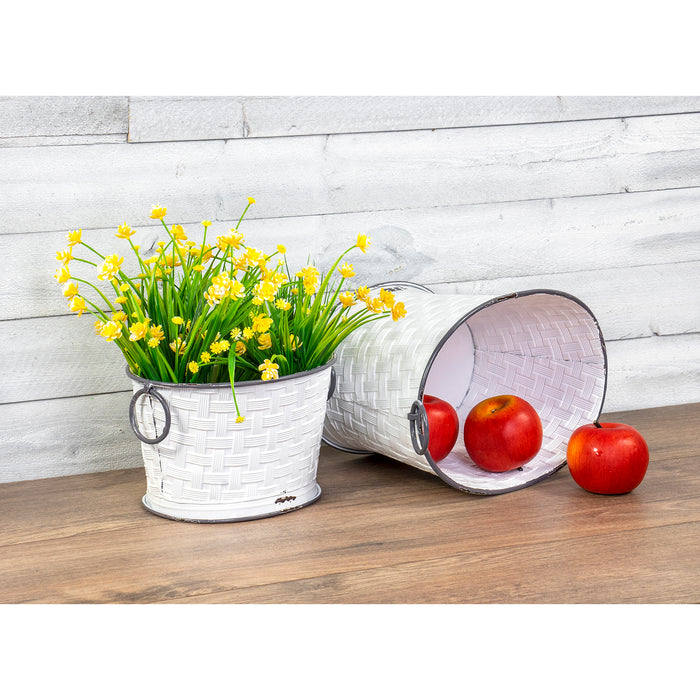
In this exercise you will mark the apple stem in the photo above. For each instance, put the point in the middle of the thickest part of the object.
(597, 424)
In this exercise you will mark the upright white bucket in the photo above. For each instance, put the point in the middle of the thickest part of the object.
(203, 466)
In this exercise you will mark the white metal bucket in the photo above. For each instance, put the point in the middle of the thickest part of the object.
(202, 466)
(542, 345)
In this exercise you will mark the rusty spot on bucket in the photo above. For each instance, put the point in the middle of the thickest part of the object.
(284, 499)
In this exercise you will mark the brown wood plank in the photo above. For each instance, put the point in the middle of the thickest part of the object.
(656, 565)
(382, 532)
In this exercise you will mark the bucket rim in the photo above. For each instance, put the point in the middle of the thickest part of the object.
(491, 302)
(221, 385)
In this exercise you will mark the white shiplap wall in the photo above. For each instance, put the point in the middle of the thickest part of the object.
(596, 196)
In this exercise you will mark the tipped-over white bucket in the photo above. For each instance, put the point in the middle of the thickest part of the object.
(542, 345)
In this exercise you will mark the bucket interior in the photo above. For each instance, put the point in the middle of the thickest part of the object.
(543, 347)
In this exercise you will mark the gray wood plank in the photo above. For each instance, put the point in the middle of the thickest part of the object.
(187, 118)
(44, 116)
(54, 188)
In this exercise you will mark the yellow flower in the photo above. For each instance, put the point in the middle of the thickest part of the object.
(219, 346)
(233, 238)
(363, 293)
(264, 341)
(281, 249)
(295, 341)
(240, 419)
(261, 324)
(398, 311)
(248, 333)
(70, 290)
(375, 305)
(77, 305)
(111, 330)
(310, 285)
(138, 330)
(283, 305)
(178, 232)
(346, 270)
(363, 240)
(240, 347)
(119, 316)
(178, 346)
(124, 287)
(110, 267)
(156, 334)
(265, 290)
(347, 299)
(269, 370)
(387, 298)
(124, 231)
(206, 223)
(99, 325)
(237, 290)
(235, 333)
(205, 357)
(279, 278)
(251, 200)
(63, 275)
(240, 263)
(158, 213)
(193, 367)
(254, 256)
(74, 237)
(64, 256)
(177, 320)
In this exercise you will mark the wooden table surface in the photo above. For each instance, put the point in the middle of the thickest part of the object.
(382, 532)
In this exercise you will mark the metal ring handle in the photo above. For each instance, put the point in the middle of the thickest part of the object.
(420, 432)
(149, 390)
(334, 381)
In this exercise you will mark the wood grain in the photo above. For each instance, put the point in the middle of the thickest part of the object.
(60, 118)
(381, 533)
(45, 189)
(188, 118)
(549, 240)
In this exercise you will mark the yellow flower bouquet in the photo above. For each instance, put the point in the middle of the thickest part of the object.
(218, 310)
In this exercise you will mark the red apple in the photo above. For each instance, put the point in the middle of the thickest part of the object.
(443, 426)
(607, 457)
(502, 433)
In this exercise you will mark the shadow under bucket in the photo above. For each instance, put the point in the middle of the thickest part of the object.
(542, 345)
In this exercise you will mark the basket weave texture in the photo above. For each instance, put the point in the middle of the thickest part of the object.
(209, 465)
(543, 346)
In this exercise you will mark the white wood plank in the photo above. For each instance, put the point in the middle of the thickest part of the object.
(62, 116)
(466, 244)
(462, 166)
(67, 436)
(656, 371)
(91, 433)
(631, 302)
(56, 357)
(287, 116)
(54, 188)
(186, 118)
